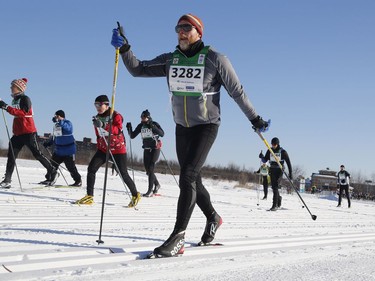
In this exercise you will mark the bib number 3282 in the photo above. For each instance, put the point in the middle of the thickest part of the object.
(186, 79)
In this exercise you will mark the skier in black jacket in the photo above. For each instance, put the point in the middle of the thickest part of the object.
(275, 172)
(343, 183)
(150, 132)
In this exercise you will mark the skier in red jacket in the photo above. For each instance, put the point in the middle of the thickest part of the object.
(24, 133)
(117, 150)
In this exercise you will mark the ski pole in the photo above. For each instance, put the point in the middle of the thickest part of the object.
(117, 169)
(100, 241)
(281, 167)
(169, 167)
(11, 148)
(260, 179)
(131, 156)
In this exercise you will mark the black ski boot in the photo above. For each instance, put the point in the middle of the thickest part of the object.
(156, 189)
(212, 224)
(279, 202)
(173, 246)
(274, 207)
(148, 194)
(77, 183)
(5, 184)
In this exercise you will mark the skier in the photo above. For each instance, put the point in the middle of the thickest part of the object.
(263, 171)
(64, 146)
(117, 150)
(275, 172)
(343, 183)
(150, 133)
(195, 74)
(24, 133)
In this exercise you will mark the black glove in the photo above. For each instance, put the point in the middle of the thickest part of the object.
(261, 156)
(97, 122)
(3, 105)
(260, 124)
(129, 127)
(54, 119)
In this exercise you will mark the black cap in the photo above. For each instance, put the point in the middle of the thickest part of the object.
(275, 141)
(60, 113)
(102, 98)
(145, 114)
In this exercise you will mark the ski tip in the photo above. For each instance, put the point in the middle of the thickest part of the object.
(116, 250)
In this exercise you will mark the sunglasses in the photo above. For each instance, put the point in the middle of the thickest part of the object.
(99, 104)
(185, 27)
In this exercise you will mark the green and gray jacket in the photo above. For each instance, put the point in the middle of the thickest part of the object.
(194, 108)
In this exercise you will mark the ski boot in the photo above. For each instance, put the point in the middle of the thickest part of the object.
(148, 193)
(212, 224)
(173, 246)
(54, 176)
(134, 201)
(86, 200)
(273, 208)
(279, 202)
(77, 183)
(5, 184)
(156, 189)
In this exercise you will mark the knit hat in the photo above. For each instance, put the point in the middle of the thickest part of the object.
(275, 141)
(60, 113)
(20, 84)
(193, 20)
(102, 99)
(145, 114)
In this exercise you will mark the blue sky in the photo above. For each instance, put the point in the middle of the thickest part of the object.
(309, 66)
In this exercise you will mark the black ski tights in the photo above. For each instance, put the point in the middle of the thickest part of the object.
(98, 160)
(276, 174)
(193, 145)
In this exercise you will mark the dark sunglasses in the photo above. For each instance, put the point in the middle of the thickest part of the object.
(185, 27)
(99, 104)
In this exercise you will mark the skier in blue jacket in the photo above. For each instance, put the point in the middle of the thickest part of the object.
(64, 146)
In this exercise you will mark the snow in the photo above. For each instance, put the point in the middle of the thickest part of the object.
(45, 237)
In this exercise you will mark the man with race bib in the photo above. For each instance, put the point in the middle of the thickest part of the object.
(195, 73)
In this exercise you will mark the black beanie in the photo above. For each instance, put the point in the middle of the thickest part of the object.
(102, 98)
(146, 113)
(275, 141)
(60, 113)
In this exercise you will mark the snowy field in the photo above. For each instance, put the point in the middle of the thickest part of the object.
(45, 237)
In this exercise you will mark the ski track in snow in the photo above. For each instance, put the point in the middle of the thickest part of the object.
(45, 237)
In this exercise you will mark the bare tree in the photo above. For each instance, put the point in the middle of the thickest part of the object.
(298, 172)
(356, 177)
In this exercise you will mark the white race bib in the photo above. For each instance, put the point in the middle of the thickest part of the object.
(187, 79)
